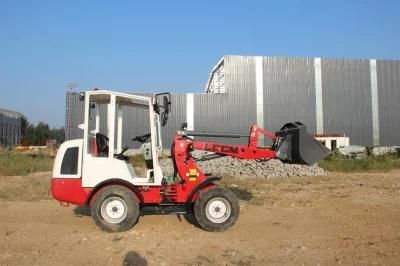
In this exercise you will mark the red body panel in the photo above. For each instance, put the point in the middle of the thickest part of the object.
(69, 190)
(151, 195)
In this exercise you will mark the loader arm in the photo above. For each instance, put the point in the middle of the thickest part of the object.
(184, 144)
(238, 151)
(250, 152)
(291, 144)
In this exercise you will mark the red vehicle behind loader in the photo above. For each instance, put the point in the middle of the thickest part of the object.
(94, 170)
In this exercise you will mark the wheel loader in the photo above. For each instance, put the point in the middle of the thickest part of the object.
(95, 171)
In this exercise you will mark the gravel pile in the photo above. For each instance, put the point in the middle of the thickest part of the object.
(246, 168)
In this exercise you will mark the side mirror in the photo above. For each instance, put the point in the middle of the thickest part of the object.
(166, 104)
(81, 96)
(184, 126)
(92, 105)
(164, 108)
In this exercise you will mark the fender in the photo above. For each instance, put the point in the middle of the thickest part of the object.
(201, 185)
(115, 181)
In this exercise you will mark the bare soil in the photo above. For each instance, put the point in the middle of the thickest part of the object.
(350, 219)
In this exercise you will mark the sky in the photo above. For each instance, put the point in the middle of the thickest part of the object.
(156, 46)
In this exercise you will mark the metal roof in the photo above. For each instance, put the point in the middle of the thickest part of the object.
(10, 113)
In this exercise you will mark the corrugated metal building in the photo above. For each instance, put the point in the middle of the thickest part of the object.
(353, 97)
(10, 127)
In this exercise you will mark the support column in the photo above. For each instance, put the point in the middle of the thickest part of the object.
(375, 102)
(119, 129)
(319, 108)
(111, 126)
(260, 95)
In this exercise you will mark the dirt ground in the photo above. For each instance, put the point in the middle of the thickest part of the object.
(349, 219)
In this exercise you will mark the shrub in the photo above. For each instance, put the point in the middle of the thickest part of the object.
(340, 163)
(16, 163)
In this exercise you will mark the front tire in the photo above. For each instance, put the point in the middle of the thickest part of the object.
(216, 209)
(115, 209)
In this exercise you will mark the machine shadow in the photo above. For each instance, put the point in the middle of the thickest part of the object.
(81, 211)
(241, 193)
(132, 258)
(189, 218)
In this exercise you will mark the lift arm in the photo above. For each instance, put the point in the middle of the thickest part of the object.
(250, 152)
(291, 143)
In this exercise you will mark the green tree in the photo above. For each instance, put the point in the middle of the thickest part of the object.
(57, 134)
(29, 134)
(24, 125)
(42, 133)
(37, 135)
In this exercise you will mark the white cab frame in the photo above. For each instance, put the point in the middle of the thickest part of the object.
(60, 156)
(94, 169)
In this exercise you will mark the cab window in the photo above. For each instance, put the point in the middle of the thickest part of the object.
(69, 164)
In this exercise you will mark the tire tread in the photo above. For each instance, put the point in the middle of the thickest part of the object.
(200, 209)
(131, 202)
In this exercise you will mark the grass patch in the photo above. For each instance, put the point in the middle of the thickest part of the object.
(26, 188)
(340, 163)
(15, 163)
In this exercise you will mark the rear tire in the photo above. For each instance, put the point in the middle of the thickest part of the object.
(115, 209)
(216, 209)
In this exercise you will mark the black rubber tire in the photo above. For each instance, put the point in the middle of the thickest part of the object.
(131, 203)
(201, 204)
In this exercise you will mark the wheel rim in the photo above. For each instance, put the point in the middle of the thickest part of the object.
(218, 210)
(114, 210)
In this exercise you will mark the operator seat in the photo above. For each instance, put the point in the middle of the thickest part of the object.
(102, 145)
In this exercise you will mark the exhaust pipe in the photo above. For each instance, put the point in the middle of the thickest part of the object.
(294, 144)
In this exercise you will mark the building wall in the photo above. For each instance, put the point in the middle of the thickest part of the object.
(289, 92)
(389, 101)
(346, 86)
(233, 111)
(10, 128)
(356, 98)
(73, 116)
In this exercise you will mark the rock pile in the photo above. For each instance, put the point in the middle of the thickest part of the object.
(246, 168)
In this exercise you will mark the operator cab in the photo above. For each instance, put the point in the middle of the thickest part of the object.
(109, 116)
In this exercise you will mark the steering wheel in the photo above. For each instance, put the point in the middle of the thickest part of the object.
(143, 138)
(121, 155)
(102, 144)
